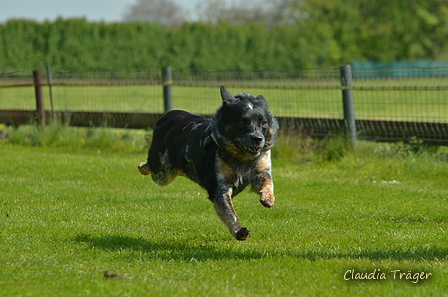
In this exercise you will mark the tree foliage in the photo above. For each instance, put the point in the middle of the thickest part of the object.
(380, 30)
(313, 33)
(267, 12)
(162, 12)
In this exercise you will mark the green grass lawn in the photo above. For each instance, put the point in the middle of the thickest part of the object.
(68, 213)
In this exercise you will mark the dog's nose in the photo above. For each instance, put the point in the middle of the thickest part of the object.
(257, 139)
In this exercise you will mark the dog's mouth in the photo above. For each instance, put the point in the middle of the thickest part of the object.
(252, 150)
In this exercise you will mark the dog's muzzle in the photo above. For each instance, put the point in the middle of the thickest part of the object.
(253, 144)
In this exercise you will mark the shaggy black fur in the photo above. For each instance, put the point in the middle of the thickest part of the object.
(224, 155)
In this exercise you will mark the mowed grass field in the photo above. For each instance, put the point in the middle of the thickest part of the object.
(69, 213)
(317, 98)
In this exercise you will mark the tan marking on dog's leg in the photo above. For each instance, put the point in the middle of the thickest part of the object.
(267, 197)
(225, 210)
(265, 188)
(144, 168)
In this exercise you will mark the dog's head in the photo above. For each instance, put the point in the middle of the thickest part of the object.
(244, 126)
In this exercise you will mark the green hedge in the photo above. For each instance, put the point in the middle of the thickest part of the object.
(78, 44)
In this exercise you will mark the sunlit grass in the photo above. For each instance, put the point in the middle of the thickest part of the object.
(68, 213)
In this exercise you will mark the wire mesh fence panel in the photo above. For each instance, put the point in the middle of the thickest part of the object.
(17, 98)
(403, 94)
(389, 105)
(402, 105)
(117, 98)
(282, 102)
(16, 90)
(117, 91)
(195, 99)
(85, 91)
(297, 92)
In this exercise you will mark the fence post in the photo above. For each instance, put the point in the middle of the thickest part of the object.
(40, 109)
(167, 82)
(348, 103)
(50, 82)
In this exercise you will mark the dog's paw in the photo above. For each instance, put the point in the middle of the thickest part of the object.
(144, 168)
(266, 203)
(267, 199)
(242, 233)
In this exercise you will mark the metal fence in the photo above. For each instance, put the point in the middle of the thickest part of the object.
(386, 107)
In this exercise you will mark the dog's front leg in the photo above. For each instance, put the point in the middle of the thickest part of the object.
(225, 210)
(265, 187)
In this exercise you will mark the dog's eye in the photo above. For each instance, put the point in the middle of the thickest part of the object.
(264, 123)
(244, 122)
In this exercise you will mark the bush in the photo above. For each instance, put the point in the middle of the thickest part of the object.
(61, 135)
(81, 45)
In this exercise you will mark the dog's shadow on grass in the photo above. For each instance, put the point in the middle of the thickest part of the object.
(165, 250)
(201, 251)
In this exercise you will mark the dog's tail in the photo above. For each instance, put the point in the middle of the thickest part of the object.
(144, 168)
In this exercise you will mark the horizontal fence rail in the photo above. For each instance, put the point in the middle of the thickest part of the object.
(307, 101)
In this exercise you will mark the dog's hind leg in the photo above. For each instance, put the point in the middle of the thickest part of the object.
(162, 177)
(225, 210)
(144, 168)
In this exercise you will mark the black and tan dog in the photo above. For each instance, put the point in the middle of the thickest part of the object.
(224, 155)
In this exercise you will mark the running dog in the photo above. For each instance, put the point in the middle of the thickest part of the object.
(224, 154)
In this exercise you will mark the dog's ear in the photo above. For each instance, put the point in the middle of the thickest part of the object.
(261, 100)
(227, 97)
